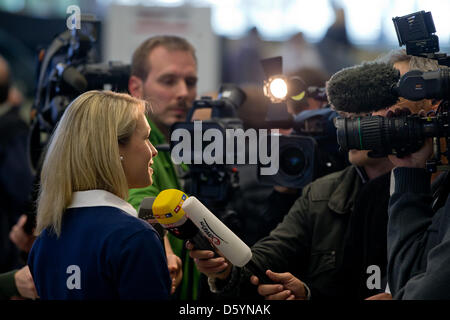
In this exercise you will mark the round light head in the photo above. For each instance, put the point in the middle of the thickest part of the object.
(276, 88)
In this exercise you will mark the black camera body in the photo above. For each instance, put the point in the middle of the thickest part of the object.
(309, 152)
(416, 32)
(70, 67)
(213, 182)
(406, 134)
(297, 162)
(398, 135)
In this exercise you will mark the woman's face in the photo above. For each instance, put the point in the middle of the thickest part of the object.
(138, 155)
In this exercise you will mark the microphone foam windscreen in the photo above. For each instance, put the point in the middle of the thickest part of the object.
(363, 88)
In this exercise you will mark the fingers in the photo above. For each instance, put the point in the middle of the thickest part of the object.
(174, 287)
(279, 277)
(274, 291)
(211, 265)
(189, 245)
(201, 254)
(22, 220)
(174, 265)
(207, 262)
(254, 280)
(283, 295)
(398, 112)
(402, 112)
(24, 283)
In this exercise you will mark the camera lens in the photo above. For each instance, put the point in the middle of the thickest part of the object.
(403, 134)
(364, 133)
(292, 161)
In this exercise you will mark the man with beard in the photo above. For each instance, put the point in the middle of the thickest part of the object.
(164, 72)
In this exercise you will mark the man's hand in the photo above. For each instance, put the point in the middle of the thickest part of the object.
(19, 237)
(419, 158)
(174, 265)
(380, 296)
(285, 287)
(25, 284)
(414, 160)
(214, 267)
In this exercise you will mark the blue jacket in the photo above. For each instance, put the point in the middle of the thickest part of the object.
(103, 252)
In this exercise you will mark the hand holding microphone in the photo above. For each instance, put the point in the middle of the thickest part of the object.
(208, 263)
(187, 218)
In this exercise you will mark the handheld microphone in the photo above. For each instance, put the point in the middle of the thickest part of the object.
(364, 88)
(146, 213)
(172, 208)
(166, 209)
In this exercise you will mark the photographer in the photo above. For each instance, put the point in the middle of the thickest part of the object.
(331, 236)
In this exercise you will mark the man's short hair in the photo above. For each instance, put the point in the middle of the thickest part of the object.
(415, 63)
(140, 64)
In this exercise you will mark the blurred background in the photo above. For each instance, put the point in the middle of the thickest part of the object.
(230, 36)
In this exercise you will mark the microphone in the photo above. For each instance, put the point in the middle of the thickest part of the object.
(364, 88)
(172, 208)
(146, 213)
(166, 209)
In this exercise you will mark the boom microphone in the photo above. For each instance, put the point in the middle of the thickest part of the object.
(172, 208)
(364, 88)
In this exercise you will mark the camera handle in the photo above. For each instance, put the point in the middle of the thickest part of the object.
(205, 102)
(435, 164)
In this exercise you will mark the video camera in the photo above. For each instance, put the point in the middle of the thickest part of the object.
(406, 134)
(415, 31)
(67, 68)
(210, 182)
(310, 151)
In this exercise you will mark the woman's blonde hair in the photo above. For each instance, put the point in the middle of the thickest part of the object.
(83, 152)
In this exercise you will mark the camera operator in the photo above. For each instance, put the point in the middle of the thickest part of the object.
(333, 233)
(418, 236)
(164, 72)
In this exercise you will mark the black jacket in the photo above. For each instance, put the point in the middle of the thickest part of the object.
(311, 240)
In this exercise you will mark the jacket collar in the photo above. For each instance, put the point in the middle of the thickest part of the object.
(100, 198)
(342, 200)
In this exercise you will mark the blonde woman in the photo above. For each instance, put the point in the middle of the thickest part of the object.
(91, 245)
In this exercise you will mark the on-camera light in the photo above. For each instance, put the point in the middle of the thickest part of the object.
(276, 88)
